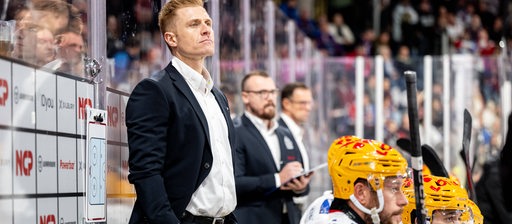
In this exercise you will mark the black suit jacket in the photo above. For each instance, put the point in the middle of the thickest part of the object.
(169, 143)
(259, 201)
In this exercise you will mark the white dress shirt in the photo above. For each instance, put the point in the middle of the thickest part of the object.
(269, 134)
(298, 134)
(216, 196)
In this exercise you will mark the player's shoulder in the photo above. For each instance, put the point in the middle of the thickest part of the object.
(339, 218)
(317, 212)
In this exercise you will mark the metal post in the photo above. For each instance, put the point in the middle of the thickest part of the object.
(379, 98)
(292, 50)
(246, 13)
(359, 119)
(97, 40)
(446, 112)
(270, 26)
(427, 104)
(215, 59)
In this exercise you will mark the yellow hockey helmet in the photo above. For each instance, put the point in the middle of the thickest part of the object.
(350, 158)
(441, 193)
(476, 215)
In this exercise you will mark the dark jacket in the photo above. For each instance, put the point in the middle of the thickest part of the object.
(259, 201)
(169, 145)
(506, 167)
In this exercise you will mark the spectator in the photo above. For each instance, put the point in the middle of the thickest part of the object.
(25, 37)
(70, 51)
(485, 46)
(126, 60)
(325, 41)
(403, 62)
(497, 31)
(383, 39)
(45, 47)
(405, 19)
(114, 44)
(454, 27)
(289, 8)
(58, 16)
(296, 105)
(307, 24)
(466, 13)
(474, 27)
(34, 44)
(486, 14)
(426, 28)
(365, 45)
(341, 32)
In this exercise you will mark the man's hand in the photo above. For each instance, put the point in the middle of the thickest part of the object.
(289, 171)
(287, 174)
(299, 184)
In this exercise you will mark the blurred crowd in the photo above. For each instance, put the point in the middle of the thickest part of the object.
(134, 41)
(408, 30)
(414, 27)
(47, 33)
(470, 26)
(53, 34)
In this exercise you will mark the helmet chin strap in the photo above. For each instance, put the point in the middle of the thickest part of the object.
(374, 212)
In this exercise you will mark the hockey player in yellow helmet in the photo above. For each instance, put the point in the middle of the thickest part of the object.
(473, 216)
(367, 176)
(445, 201)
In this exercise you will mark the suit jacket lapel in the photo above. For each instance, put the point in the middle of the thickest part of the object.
(261, 141)
(282, 123)
(182, 85)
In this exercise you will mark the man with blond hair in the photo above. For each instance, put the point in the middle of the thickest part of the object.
(180, 135)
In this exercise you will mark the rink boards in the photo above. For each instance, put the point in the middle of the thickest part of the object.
(42, 147)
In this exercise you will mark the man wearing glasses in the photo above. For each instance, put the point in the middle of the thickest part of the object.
(267, 159)
(296, 104)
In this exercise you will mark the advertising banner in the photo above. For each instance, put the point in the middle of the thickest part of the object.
(46, 164)
(23, 84)
(46, 101)
(5, 93)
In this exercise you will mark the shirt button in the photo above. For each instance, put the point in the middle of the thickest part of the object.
(206, 166)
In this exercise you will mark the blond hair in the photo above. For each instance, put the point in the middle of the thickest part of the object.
(168, 11)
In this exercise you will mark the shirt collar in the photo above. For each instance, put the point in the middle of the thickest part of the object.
(194, 78)
(260, 124)
(294, 127)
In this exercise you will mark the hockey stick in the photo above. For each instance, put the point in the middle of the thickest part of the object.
(416, 155)
(466, 139)
(430, 157)
(434, 162)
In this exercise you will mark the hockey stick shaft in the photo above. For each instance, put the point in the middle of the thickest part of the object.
(416, 154)
(466, 139)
